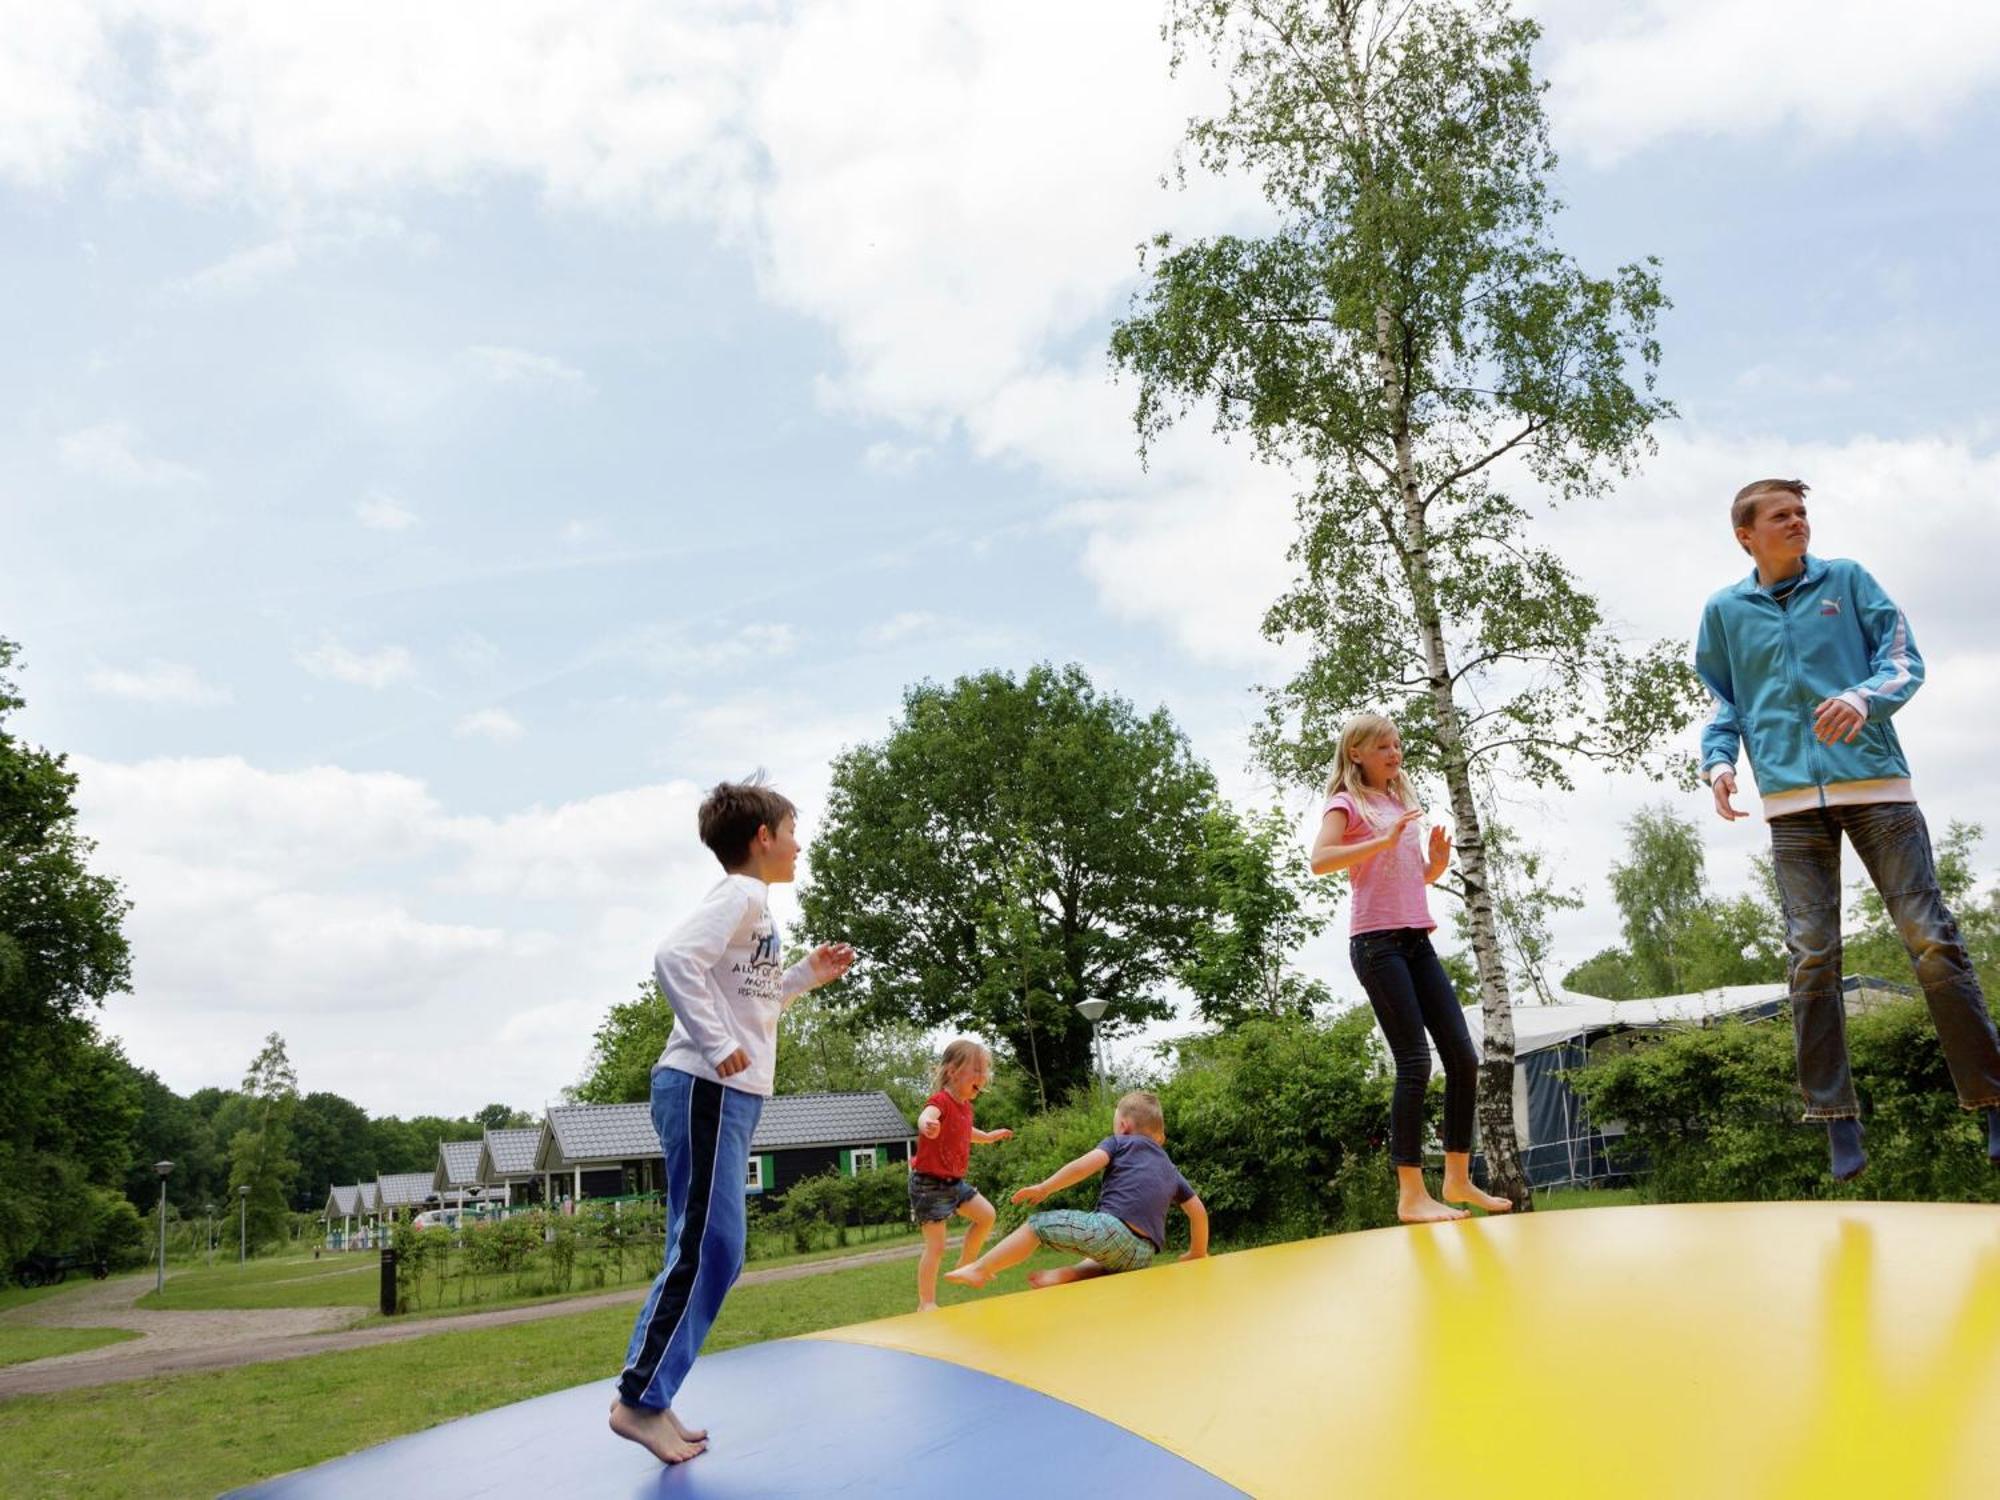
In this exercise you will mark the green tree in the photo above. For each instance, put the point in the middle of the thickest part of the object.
(260, 1152)
(1265, 906)
(1524, 895)
(825, 1051)
(330, 1140)
(66, 1105)
(1678, 937)
(1410, 342)
(820, 1050)
(502, 1117)
(624, 1048)
(1014, 846)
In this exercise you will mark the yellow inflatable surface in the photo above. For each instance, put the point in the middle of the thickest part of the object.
(1781, 1350)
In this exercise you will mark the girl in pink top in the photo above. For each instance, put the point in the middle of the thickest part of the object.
(1369, 829)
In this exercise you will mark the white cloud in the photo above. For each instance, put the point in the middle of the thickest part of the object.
(383, 512)
(901, 627)
(157, 682)
(1627, 76)
(52, 100)
(244, 269)
(111, 451)
(505, 366)
(369, 669)
(894, 460)
(329, 904)
(494, 724)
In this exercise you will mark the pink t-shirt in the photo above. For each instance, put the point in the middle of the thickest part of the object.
(1388, 889)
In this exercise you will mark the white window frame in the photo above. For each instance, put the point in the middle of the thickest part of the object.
(854, 1158)
(753, 1177)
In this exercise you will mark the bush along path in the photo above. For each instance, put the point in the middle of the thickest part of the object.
(178, 1342)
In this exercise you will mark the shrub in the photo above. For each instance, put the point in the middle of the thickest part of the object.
(1714, 1114)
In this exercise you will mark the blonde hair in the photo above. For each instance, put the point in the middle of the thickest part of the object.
(959, 1055)
(1141, 1109)
(1359, 733)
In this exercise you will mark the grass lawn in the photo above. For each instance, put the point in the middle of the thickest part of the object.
(351, 1281)
(200, 1434)
(355, 1280)
(18, 1296)
(1575, 1197)
(18, 1345)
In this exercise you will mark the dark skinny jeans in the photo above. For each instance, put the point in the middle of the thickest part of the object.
(1411, 994)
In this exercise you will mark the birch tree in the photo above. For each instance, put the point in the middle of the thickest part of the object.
(1411, 344)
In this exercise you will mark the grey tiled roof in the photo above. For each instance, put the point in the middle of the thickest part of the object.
(344, 1202)
(829, 1120)
(402, 1189)
(575, 1133)
(508, 1153)
(458, 1165)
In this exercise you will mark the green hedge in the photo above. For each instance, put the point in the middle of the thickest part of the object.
(1715, 1112)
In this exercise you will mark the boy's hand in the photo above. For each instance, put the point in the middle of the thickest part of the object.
(1723, 784)
(733, 1064)
(830, 961)
(1034, 1192)
(1837, 719)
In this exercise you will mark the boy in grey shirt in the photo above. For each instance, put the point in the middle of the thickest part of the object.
(1129, 1226)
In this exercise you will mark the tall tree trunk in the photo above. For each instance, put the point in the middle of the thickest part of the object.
(1410, 538)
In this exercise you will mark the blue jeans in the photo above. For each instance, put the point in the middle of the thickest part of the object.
(1895, 846)
(1411, 994)
(705, 1129)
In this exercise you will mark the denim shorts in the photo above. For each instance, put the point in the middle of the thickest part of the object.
(933, 1199)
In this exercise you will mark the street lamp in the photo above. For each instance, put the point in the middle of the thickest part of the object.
(208, 1215)
(160, 1279)
(1092, 1011)
(243, 1225)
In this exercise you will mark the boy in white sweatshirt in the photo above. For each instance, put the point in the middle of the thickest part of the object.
(719, 972)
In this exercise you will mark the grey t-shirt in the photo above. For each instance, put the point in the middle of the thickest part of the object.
(1139, 1182)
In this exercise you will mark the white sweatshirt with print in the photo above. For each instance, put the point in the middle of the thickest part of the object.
(719, 971)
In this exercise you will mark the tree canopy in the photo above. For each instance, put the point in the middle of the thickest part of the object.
(1410, 343)
(1012, 847)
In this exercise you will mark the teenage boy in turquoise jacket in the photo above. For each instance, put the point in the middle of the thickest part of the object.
(1807, 659)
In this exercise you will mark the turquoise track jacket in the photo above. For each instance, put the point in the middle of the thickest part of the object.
(1769, 664)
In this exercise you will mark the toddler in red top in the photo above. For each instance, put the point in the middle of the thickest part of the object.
(938, 1188)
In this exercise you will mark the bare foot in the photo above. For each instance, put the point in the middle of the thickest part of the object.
(926, 1307)
(972, 1275)
(1427, 1210)
(690, 1434)
(1465, 1192)
(655, 1431)
(1055, 1276)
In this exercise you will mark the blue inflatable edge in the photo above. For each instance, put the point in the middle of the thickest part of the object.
(795, 1418)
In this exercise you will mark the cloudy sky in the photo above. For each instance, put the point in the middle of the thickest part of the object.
(435, 445)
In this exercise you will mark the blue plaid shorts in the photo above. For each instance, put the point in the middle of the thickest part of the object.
(1105, 1238)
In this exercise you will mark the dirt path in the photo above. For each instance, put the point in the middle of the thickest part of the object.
(179, 1342)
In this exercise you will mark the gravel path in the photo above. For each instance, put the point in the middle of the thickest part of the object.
(178, 1342)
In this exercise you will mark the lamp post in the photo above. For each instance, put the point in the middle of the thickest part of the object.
(1092, 1011)
(160, 1278)
(208, 1231)
(243, 1225)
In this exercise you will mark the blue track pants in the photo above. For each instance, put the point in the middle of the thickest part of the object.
(705, 1129)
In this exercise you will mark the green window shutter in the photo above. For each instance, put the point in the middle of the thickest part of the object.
(846, 1162)
(766, 1169)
